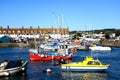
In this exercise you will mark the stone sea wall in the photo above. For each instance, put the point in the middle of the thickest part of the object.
(111, 43)
(13, 45)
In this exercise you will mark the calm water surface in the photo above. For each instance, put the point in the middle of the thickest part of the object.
(35, 70)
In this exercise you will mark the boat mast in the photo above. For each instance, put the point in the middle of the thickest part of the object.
(58, 24)
(62, 24)
(35, 41)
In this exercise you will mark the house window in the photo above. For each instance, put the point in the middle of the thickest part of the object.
(4, 31)
(23, 32)
(9, 31)
(31, 32)
(13, 31)
(19, 31)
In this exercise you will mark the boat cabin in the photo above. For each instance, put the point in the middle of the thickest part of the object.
(93, 63)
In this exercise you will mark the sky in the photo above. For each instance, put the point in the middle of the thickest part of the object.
(73, 14)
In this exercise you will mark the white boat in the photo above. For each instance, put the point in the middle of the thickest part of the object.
(89, 64)
(100, 48)
(12, 67)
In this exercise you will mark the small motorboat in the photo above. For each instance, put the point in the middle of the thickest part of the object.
(12, 67)
(100, 48)
(89, 64)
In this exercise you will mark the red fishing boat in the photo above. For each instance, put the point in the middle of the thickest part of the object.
(35, 54)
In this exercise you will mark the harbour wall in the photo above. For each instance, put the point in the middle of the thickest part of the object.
(14, 45)
(111, 43)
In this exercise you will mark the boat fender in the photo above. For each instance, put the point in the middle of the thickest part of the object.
(70, 55)
(42, 55)
(6, 74)
(3, 64)
(39, 55)
(46, 56)
(62, 61)
(63, 54)
(52, 56)
(48, 70)
(23, 69)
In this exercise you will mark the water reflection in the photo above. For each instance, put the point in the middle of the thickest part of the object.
(84, 76)
(16, 77)
(37, 71)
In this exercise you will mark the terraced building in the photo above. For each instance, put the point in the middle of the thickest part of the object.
(34, 32)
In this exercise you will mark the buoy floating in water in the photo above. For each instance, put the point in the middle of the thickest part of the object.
(48, 70)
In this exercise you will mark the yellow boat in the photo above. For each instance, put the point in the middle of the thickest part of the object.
(89, 64)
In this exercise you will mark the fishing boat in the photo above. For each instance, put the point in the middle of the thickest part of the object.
(12, 67)
(89, 64)
(51, 50)
(42, 55)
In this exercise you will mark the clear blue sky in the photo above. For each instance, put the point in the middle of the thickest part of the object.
(78, 14)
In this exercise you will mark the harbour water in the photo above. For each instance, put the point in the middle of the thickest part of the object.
(36, 69)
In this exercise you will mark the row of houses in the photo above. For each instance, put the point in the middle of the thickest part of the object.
(23, 34)
(112, 36)
(31, 30)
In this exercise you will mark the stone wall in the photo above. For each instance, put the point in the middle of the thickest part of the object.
(112, 43)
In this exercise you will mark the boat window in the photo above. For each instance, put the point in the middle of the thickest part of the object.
(66, 46)
(93, 63)
(60, 47)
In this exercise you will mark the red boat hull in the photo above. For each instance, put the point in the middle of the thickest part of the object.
(35, 56)
(47, 58)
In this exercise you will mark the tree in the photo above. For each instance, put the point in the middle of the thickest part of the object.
(117, 33)
(107, 36)
(77, 35)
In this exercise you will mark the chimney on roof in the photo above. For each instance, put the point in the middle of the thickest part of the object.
(30, 27)
(8, 27)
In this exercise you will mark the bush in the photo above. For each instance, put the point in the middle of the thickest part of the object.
(32, 45)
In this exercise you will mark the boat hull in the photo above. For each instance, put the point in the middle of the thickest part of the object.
(34, 55)
(100, 48)
(93, 69)
(47, 57)
(13, 71)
